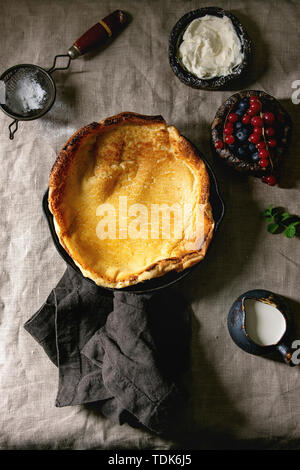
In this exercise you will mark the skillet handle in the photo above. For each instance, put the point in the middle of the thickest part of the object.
(99, 34)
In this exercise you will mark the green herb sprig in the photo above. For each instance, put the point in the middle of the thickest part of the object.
(281, 221)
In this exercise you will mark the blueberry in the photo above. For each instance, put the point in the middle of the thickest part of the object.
(241, 152)
(245, 130)
(256, 157)
(238, 125)
(243, 105)
(252, 147)
(240, 112)
(242, 135)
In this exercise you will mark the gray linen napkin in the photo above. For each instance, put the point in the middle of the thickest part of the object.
(124, 352)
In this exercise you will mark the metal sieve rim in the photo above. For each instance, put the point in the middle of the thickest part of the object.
(19, 117)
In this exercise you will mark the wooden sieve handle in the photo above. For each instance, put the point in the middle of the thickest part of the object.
(99, 34)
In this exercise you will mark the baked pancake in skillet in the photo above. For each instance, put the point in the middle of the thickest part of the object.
(130, 200)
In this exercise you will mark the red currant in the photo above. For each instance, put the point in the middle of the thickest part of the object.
(272, 142)
(268, 117)
(261, 145)
(254, 138)
(257, 121)
(251, 112)
(253, 99)
(271, 180)
(263, 153)
(263, 163)
(255, 107)
(219, 144)
(257, 130)
(233, 117)
(228, 129)
(270, 131)
(229, 139)
(246, 119)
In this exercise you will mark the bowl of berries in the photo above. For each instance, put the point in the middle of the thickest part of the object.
(251, 133)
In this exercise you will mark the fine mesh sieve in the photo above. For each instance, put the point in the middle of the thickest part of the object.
(28, 91)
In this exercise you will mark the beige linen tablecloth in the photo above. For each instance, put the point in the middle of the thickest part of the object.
(236, 400)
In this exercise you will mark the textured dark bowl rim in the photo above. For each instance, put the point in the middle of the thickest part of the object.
(47, 108)
(225, 154)
(190, 79)
(158, 283)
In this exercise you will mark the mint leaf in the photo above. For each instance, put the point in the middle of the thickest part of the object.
(290, 231)
(281, 221)
(285, 216)
(268, 211)
(272, 228)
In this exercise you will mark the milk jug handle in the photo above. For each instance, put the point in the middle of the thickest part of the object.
(286, 352)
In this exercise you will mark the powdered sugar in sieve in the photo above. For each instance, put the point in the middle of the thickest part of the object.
(27, 91)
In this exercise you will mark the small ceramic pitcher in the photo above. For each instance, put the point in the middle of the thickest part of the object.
(237, 325)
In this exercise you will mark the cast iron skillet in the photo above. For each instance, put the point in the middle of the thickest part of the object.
(158, 283)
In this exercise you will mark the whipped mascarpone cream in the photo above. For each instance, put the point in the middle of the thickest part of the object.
(210, 47)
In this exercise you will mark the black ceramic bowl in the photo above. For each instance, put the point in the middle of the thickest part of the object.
(158, 283)
(230, 157)
(215, 83)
